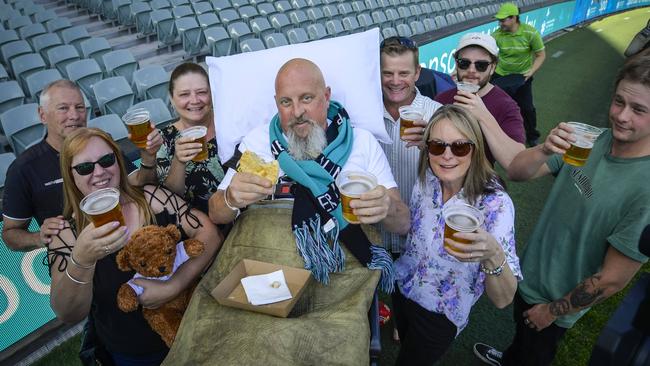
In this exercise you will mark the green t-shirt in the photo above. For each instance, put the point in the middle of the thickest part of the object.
(517, 50)
(605, 202)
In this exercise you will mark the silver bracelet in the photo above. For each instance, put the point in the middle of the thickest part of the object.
(74, 279)
(81, 265)
(494, 272)
(232, 208)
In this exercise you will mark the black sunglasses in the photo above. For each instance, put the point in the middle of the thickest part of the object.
(86, 168)
(458, 148)
(393, 41)
(480, 65)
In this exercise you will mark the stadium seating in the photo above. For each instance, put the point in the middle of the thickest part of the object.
(5, 161)
(11, 95)
(112, 124)
(95, 48)
(60, 56)
(44, 42)
(114, 95)
(22, 127)
(85, 73)
(26, 64)
(38, 80)
(151, 82)
(218, 41)
(120, 63)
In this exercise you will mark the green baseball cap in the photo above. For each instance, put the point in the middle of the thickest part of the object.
(506, 10)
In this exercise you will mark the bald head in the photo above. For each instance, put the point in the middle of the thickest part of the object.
(302, 68)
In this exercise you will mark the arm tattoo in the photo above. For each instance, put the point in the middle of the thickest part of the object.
(587, 293)
(559, 307)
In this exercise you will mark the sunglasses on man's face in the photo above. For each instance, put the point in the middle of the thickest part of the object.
(86, 168)
(394, 41)
(480, 65)
(458, 148)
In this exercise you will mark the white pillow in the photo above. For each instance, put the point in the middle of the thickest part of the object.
(243, 85)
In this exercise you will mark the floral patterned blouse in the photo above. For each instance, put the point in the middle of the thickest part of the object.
(431, 277)
(201, 178)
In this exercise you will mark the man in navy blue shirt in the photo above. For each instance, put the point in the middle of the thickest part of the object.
(33, 187)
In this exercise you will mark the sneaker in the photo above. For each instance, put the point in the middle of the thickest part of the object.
(488, 354)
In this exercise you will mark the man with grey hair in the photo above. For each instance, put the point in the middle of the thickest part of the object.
(33, 185)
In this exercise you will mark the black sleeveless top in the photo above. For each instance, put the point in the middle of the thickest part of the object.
(121, 332)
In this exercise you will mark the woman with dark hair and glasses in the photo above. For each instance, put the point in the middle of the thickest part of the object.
(82, 258)
(439, 280)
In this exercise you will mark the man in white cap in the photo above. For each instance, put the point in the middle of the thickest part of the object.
(522, 54)
(498, 114)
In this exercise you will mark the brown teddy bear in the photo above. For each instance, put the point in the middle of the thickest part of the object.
(154, 252)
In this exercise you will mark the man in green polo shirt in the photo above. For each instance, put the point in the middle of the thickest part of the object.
(521, 54)
(584, 247)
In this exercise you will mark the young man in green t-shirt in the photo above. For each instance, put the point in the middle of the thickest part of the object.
(521, 54)
(584, 248)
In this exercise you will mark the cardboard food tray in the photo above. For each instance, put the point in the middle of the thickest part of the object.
(230, 291)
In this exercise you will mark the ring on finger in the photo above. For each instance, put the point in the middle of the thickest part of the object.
(526, 321)
(106, 249)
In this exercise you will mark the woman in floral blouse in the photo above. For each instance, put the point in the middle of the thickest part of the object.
(439, 286)
(189, 90)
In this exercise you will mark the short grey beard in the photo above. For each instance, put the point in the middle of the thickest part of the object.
(309, 147)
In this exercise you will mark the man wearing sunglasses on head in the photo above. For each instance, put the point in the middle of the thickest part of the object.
(498, 114)
(34, 186)
(521, 55)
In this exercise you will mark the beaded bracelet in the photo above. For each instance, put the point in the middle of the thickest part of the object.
(494, 272)
(74, 279)
(80, 265)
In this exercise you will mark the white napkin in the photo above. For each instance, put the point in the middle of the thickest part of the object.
(266, 289)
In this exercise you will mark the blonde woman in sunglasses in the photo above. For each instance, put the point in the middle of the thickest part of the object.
(82, 258)
(440, 279)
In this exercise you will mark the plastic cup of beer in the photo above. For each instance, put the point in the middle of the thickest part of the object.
(352, 185)
(467, 87)
(460, 218)
(103, 206)
(198, 133)
(138, 123)
(579, 151)
(407, 116)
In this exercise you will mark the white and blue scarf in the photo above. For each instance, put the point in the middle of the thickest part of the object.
(317, 218)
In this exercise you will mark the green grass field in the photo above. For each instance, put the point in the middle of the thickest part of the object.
(575, 83)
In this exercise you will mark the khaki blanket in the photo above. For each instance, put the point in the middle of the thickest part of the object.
(328, 325)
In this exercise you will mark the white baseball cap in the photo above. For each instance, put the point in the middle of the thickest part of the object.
(485, 41)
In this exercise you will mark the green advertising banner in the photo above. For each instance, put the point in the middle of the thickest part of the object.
(24, 293)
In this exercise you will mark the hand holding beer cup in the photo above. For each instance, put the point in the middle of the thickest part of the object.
(584, 137)
(472, 247)
(95, 243)
(362, 200)
(411, 125)
(186, 148)
(142, 131)
(559, 139)
(198, 135)
(473, 103)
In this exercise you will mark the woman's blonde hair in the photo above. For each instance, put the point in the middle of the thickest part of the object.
(74, 144)
(480, 177)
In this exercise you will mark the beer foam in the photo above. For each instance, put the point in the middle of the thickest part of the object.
(461, 221)
(194, 133)
(355, 187)
(101, 203)
(137, 119)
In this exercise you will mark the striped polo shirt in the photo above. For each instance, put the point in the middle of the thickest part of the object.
(404, 161)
